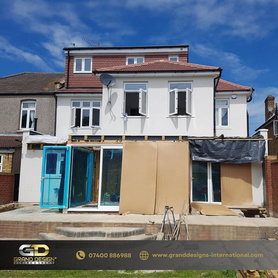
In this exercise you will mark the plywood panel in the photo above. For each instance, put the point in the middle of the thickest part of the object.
(236, 184)
(138, 182)
(172, 176)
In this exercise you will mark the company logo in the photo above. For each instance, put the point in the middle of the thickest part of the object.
(34, 254)
(39, 250)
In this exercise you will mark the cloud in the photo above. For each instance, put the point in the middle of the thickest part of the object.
(11, 52)
(228, 61)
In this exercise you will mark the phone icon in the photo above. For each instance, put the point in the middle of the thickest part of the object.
(80, 255)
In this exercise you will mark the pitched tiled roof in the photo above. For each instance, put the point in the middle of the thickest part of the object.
(224, 85)
(10, 141)
(30, 83)
(158, 66)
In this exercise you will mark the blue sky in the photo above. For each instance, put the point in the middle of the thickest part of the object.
(240, 36)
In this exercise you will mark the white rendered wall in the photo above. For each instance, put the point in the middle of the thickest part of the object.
(30, 174)
(237, 116)
(257, 184)
(157, 121)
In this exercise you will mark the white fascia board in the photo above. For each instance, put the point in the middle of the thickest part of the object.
(78, 95)
(126, 51)
(164, 74)
(229, 93)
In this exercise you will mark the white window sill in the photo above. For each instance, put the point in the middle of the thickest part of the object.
(87, 72)
(180, 116)
(85, 127)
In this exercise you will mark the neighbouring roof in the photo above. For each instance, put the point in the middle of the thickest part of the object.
(224, 85)
(10, 141)
(158, 66)
(30, 83)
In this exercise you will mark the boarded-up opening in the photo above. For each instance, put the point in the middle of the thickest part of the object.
(172, 176)
(236, 184)
(138, 182)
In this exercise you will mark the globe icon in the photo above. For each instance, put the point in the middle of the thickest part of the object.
(144, 255)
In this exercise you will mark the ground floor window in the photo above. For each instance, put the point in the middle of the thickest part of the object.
(206, 182)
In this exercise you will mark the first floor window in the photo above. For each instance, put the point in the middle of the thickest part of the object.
(1, 162)
(83, 65)
(222, 112)
(135, 99)
(206, 182)
(28, 109)
(85, 113)
(180, 98)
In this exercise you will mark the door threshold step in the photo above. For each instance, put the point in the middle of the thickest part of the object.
(53, 236)
(97, 233)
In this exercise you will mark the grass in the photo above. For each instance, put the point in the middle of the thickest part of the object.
(116, 274)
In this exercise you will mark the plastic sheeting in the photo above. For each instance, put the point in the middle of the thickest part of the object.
(44, 139)
(227, 151)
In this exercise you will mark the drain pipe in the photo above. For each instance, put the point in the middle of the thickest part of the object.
(216, 81)
(68, 56)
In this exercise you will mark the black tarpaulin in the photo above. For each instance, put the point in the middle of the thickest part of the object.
(227, 151)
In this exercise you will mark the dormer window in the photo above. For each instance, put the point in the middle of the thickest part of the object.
(134, 60)
(174, 58)
(82, 65)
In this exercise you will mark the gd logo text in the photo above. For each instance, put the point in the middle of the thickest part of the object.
(33, 250)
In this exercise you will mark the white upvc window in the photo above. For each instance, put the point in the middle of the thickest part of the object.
(275, 128)
(82, 65)
(85, 113)
(135, 60)
(135, 99)
(174, 58)
(180, 98)
(222, 112)
(1, 162)
(28, 110)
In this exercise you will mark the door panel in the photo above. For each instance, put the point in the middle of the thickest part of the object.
(55, 173)
(81, 179)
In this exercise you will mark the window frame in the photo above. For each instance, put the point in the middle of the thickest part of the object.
(174, 99)
(135, 60)
(209, 185)
(173, 58)
(1, 162)
(219, 113)
(275, 127)
(142, 99)
(28, 110)
(81, 106)
(83, 63)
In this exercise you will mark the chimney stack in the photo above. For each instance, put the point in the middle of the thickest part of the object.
(269, 107)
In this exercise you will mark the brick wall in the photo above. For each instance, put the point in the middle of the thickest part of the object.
(6, 188)
(271, 181)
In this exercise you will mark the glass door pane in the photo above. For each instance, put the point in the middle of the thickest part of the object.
(216, 182)
(111, 177)
(199, 181)
(81, 179)
(55, 172)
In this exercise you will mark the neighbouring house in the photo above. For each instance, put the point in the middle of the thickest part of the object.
(146, 128)
(270, 126)
(27, 104)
